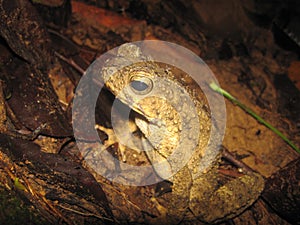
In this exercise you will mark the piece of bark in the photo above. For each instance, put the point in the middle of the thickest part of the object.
(59, 188)
(108, 22)
(34, 101)
(23, 31)
(33, 98)
(282, 192)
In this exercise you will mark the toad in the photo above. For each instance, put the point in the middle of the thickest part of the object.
(173, 119)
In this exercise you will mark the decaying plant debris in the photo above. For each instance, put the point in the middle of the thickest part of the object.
(42, 57)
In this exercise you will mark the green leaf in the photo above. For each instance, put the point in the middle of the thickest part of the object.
(19, 185)
(221, 91)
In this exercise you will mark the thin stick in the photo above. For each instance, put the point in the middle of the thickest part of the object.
(71, 62)
(228, 155)
(85, 214)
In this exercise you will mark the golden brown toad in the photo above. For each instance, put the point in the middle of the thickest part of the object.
(176, 123)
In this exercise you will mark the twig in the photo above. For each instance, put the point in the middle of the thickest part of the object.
(228, 155)
(63, 37)
(70, 62)
(86, 214)
(78, 68)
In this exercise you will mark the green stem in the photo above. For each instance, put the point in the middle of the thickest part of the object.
(221, 91)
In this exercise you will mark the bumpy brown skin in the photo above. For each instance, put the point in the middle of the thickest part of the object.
(168, 123)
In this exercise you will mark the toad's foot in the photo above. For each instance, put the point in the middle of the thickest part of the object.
(212, 205)
(112, 139)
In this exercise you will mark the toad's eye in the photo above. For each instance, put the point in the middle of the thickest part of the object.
(141, 85)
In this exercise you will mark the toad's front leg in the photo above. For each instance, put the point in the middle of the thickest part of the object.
(212, 203)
